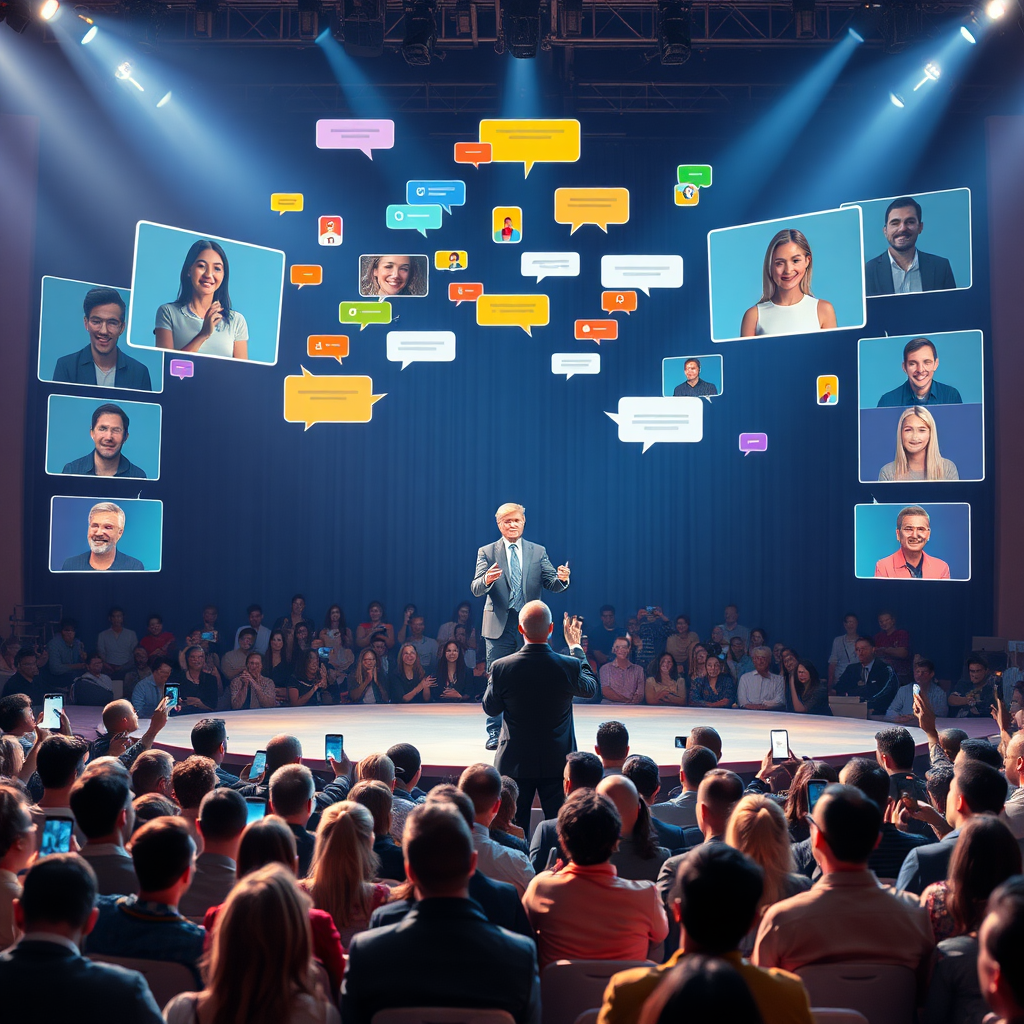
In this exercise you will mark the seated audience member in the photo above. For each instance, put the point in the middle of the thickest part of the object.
(975, 748)
(409, 682)
(210, 739)
(653, 629)
(503, 828)
(18, 721)
(150, 806)
(137, 671)
(276, 664)
(583, 770)
(44, 976)
(426, 646)
(365, 631)
(644, 773)
(101, 801)
(1000, 952)
(798, 802)
(806, 694)
(250, 688)
(254, 613)
(622, 682)
(497, 969)
(715, 899)
(116, 645)
(843, 653)
(18, 841)
(482, 784)
(198, 689)
(949, 741)
(603, 636)
(895, 752)
(975, 696)
(714, 687)
(344, 865)
(93, 688)
(283, 749)
(1013, 761)
(665, 685)
(976, 789)
(697, 667)
(12, 758)
(561, 904)
(702, 987)
(151, 773)
(148, 692)
(681, 811)
(309, 684)
(292, 790)
(638, 855)
(221, 822)
(8, 651)
(892, 645)
(737, 661)
(60, 761)
(211, 661)
(234, 661)
(460, 617)
(761, 690)
(191, 780)
(408, 768)
(159, 643)
(66, 653)
(475, 663)
(376, 798)
(149, 926)
(901, 710)
(612, 746)
(385, 659)
(260, 965)
(455, 681)
(380, 768)
(366, 682)
(868, 678)
(838, 920)
(119, 722)
(25, 677)
(681, 642)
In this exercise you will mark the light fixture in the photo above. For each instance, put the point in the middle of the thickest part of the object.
(897, 100)
(420, 33)
(520, 25)
(855, 35)
(123, 73)
(805, 19)
(995, 9)
(674, 31)
(570, 18)
(309, 18)
(16, 13)
(206, 18)
(464, 17)
(48, 9)
(932, 71)
(359, 24)
(968, 35)
(90, 34)
(164, 100)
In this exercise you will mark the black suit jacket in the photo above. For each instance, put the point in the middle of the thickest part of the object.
(881, 688)
(47, 983)
(936, 274)
(534, 689)
(451, 955)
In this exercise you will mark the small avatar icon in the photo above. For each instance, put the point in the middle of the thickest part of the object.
(329, 231)
(687, 195)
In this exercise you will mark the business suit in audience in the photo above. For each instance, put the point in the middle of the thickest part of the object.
(292, 791)
(375, 796)
(639, 856)
(695, 763)
(101, 801)
(646, 776)
(222, 819)
(583, 770)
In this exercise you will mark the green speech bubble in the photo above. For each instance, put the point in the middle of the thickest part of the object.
(364, 313)
(694, 174)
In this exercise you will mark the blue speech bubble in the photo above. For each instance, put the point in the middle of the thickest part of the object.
(413, 218)
(445, 193)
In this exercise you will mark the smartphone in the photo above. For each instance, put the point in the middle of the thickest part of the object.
(324, 652)
(333, 742)
(680, 743)
(171, 694)
(780, 745)
(259, 764)
(254, 809)
(650, 608)
(552, 859)
(917, 689)
(53, 705)
(56, 836)
(815, 787)
(207, 636)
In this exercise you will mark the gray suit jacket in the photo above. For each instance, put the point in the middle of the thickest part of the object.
(538, 573)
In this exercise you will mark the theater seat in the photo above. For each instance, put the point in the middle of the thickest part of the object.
(883, 993)
(829, 1015)
(441, 1015)
(165, 979)
(571, 987)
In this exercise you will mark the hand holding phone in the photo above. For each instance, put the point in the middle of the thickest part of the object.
(53, 705)
(334, 743)
(780, 745)
(259, 765)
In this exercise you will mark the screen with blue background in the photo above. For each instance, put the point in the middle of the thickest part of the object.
(674, 373)
(950, 538)
(880, 367)
(142, 537)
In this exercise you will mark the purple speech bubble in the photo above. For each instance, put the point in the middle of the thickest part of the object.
(753, 443)
(182, 368)
(362, 133)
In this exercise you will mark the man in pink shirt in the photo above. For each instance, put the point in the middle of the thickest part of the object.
(913, 530)
(583, 910)
(622, 682)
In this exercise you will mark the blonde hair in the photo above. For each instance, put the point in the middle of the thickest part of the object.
(782, 238)
(12, 757)
(343, 863)
(757, 827)
(932, 459)
(508, 508)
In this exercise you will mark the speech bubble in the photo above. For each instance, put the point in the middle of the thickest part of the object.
(445, 193)
(330, 345)
(364, 313)
(753, 443)
(407, 347)
(286, 202)
(182, 368)
(525, 311)
(642, 272)
(413, 218)
(304, 274)
(652, 420)
(596, 330)
(363, 134)
(618, 302)
(532, 140)
(549, 264)
(460, 293)
(475, 153)
(571, 363)
(600, 206)
(694, 174)
(313, 399)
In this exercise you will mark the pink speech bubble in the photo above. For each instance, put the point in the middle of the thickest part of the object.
(753, 443)
(182, 368)
(363, 134)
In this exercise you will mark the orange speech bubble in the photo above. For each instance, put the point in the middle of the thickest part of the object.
(330, 345)
(306, 273)
(596, 330)
(459, 293)
(475, 153)
(618, 302)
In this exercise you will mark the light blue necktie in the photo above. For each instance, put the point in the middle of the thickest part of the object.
(515, 579)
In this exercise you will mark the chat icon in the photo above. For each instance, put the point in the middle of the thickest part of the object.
(571, 363)
(532, 140)
(304, 274)
(549, 264)
(286, 202)
(407, 347)
(330, 230)
(311, 399)
(451, 259)
(753, 443)
(596, 330)
(459, 293)
(413, 218)
(330, 345)
(698, 175)
(828, 389)
(525, 311)
(618, 302)
(686, 195)
(475, 153)
(363, 134)
(642, 272)
(364, 313)
(600, 206)
(445, 193)
(182, 368)
(652, 420)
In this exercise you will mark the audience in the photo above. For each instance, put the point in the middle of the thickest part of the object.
(622, 682)
(191, 780)
(761, 690)
(101, 801)
(503, 828)
(153, 772)
(643, 772)
(612, 746)
(583, 770)
(292, 790)
(210, 739)
(681, 811)
(17, 848)
(60, 761)
(701, 989)
(221, 822)
(377, 799)
(1001, 952)
(638, 855)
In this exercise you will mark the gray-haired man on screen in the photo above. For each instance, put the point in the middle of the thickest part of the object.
(106, 526)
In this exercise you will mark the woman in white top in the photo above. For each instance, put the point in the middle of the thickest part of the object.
(917, 450)
(787, 305)
(201, 319)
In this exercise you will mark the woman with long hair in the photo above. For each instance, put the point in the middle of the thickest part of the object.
(410, 683)
(806, 694)
(251, 688)
(664, 684)
(715, 689)
(334, 622)
(309, 682)
(797, 803)
(917, 450)
(392, 274)
(276, 664)
(454, 680)
(698, 662)
(366, 684)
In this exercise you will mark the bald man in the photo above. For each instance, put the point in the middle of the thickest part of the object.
(1013, 765)
(639, 857)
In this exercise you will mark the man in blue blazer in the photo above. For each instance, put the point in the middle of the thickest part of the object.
(903, 267)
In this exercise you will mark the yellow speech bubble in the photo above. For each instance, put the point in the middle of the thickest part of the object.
(313, 399)
(529, 140)
(526, 311)
(600, 206)
(286, 202)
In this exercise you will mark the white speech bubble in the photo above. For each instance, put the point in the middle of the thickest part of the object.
(549, 264)
(571, 363)
(642, 272)
(407, 347)
(651, 420)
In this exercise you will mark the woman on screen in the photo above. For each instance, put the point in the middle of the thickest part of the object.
(787, 304)
(917, 450)
(201, 319)
(389, 275)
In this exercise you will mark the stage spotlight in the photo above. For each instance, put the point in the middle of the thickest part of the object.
(855, 35)
(420, 33)
(520, 25)
(164, 100)
(16, 13)
(805, 19)
(309, 18)
(123, 73)
(90, 35)
(570, 18)
(968, 35)
(897, 100)
(206, 18)
(359, 24)
(48, 9)
(674, 31)
(995, 9)
(932, 71)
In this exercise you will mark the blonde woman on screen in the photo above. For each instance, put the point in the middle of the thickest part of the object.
(917, 450)
(787, 304)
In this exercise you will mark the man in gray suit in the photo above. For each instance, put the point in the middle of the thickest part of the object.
(511, 572)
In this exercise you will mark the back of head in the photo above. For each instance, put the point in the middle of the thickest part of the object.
(406, 759)
(447, 793)
(58, 890)
(719, 792)
(695, 763)
(151, 768)
(343, 861)
(60, 760)
(701, 988)
(114, 715)
(978, 749)
(585, 769)
(981, 786)
(268, 840)
(950, 740)
(706, 736)
(643, 772)
(1002, 937)
(192, 779)
(623, 794)
(588, 827)
(97, 799)
(162, 851)
(15, 818)
(869, 777)
(985, 855)
(937, 781)
(849, 823)
(152, 805)
(612, 741)
(535, 620)
(758, 828)
(282, 749)
(12, 710)
(438, 847)
(377, 766)
(898, 744)
(207, 736)
(377, 799)
(291, 788)
(222, 815)
(482, 784)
